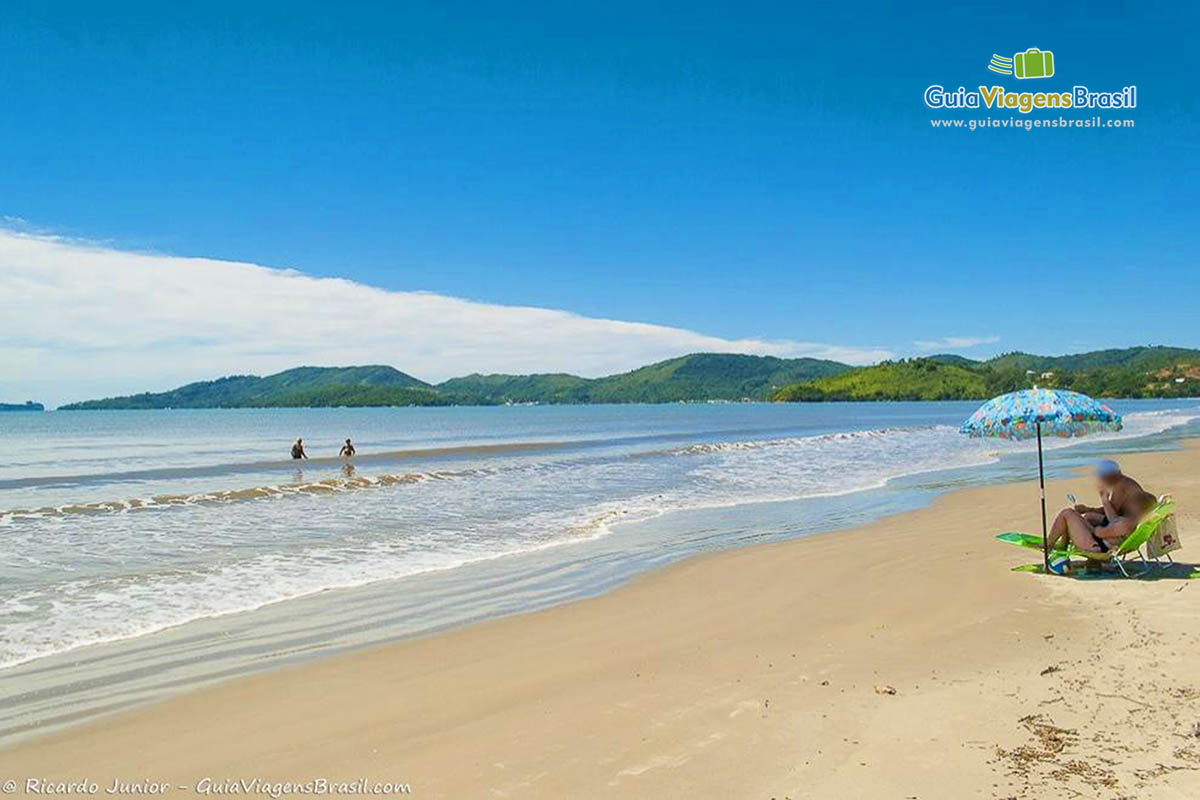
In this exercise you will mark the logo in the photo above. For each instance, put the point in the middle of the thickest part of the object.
(1033, 63)
(1001, 64)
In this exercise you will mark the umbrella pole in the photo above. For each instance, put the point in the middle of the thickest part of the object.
(1042, 492)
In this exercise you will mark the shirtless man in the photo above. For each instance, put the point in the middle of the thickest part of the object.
(347, 450)
(1123, 501)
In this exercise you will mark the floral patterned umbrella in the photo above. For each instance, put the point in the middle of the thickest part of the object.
(1033, 412)
(1037, 412)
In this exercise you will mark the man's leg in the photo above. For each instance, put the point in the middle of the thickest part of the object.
(1082, 533)
(1058, 531)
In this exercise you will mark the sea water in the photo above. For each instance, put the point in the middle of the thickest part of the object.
(142, 552)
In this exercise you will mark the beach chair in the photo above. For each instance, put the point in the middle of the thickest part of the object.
(1130, 550)
(1124, 555)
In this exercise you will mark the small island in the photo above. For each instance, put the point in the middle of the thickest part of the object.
(28, 405)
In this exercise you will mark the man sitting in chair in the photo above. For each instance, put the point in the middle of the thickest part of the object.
(1123, 502)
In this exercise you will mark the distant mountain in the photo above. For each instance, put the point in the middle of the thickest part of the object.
(1128, 372)
(499, 389)
(697, 377)
(302, 386)
(1145, 358)
(711, 376)
(28, 405)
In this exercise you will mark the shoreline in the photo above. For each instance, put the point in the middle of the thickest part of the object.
(727, 674)
(86, 683)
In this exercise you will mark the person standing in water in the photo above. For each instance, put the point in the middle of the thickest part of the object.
(298, 449)
(347, 450)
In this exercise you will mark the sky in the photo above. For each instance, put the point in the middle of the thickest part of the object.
(204, 189)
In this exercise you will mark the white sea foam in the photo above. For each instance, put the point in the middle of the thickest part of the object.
(80, 579)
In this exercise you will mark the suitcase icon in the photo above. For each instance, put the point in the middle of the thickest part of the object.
(1033, 63)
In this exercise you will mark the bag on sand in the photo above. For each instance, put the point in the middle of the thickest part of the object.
(1165, 539)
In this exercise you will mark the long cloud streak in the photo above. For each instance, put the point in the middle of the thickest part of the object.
(82, 320)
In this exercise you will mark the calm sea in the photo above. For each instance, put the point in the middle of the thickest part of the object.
(143, 552)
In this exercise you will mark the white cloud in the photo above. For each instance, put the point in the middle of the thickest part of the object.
(80, 320)
(955, 342)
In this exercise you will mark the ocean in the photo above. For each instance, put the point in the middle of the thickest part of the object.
(145, 552)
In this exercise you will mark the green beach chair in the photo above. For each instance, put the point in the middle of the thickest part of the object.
(1123, 555)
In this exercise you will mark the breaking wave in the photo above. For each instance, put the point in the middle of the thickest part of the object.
(83, 573)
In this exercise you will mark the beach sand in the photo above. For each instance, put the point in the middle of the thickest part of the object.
(754, 673)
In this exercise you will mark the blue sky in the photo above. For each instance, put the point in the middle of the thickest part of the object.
(743, 170)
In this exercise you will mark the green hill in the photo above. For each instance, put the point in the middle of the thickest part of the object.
(709, 376)
(918, 379)
(697, 377)
(1128, 372)
(293, 387)
(1143, 358)
(499, 389)
(953, 358)
(353, 396)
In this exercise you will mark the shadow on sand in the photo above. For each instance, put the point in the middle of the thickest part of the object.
(1138, 571)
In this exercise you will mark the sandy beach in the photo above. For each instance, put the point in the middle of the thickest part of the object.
(764, 672)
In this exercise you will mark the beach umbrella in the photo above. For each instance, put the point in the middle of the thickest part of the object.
(1035, 412)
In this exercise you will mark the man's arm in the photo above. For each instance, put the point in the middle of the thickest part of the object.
(1115, 532)
(1118, 527)
(1107, 502)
